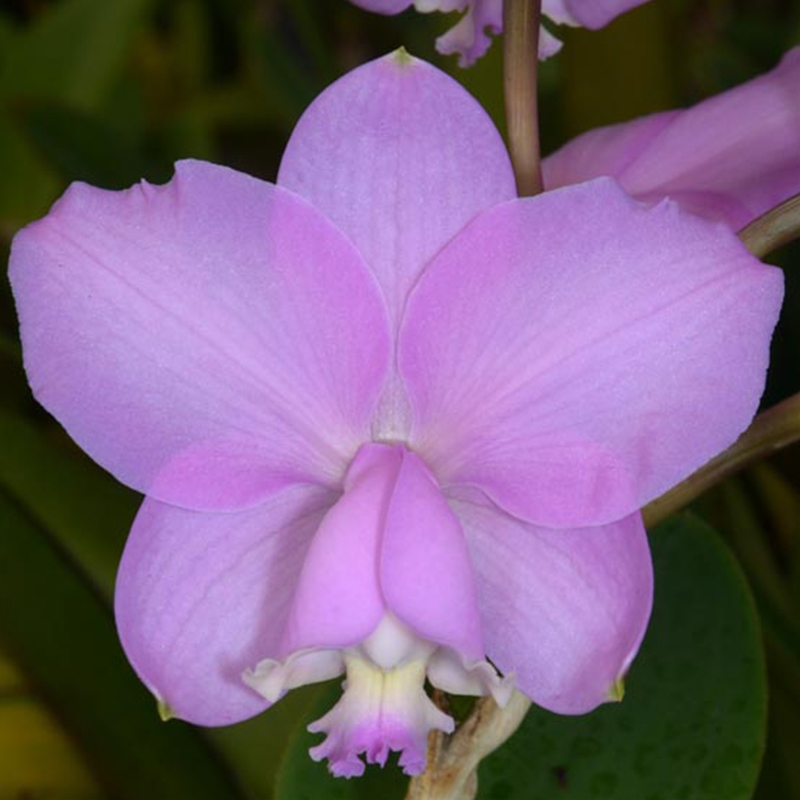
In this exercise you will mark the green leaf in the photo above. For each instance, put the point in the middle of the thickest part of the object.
(300, 778)
(692, 724)
(15, 393)
(782, 503)
(74, 52)
(8, 33)
(61, 634)
(256, 747)
(82, 146)
(37, 759)
(748, 540)
(28, 184)
(751, 543)
(287, 82)
(780, 776)
(10, 349)
(191, 46)
(315, 40)
(597, 63)
(85, 511)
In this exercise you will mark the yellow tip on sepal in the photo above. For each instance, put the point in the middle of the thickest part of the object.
(617, 691)
(402, 57)
(164, 711)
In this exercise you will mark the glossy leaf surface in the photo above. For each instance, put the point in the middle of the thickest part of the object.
(692, 723)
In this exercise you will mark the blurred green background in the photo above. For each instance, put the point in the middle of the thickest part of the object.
(110, 91)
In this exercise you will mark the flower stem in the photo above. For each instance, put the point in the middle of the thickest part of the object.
(778, 226)
(453, 760)
(770, 431)
(520, 62)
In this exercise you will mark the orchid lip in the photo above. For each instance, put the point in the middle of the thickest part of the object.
(384, 706)
(351, 614)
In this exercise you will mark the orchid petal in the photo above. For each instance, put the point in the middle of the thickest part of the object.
(609, 150)
(564, 610)
(387, 7)
(207, 341)
(426, 572)
(588, 13)
(549, 45)
(575, 354)
(200, 597)
(468, 37)
(453, 674)
(390, 543)
(338, 601)
(378, 713)
(400, 158)
(730, 158)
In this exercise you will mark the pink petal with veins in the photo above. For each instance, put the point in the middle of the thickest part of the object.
(200, 597)
(730, 158)
(563, 610)
(400, 157)
(208, 341)
(575, 354)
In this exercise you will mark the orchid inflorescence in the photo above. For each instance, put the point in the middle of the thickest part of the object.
(469, 38)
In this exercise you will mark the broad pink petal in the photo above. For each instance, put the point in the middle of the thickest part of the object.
(730, 158)
(426, 572)
(207, 341)
(565, 610)
(400, 158)
(338, 601)
(202, 596)
(575, 354)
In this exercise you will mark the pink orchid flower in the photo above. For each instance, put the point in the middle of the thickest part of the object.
(468, 37)
(389, 419)
(730, 158)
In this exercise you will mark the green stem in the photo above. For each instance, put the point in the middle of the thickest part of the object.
(520, 63)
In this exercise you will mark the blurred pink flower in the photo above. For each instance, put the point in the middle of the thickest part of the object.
(730, 158)
(469, 37)
(389, 419)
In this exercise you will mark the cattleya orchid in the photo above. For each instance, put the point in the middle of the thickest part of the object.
(469, 38)
(390, 420)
